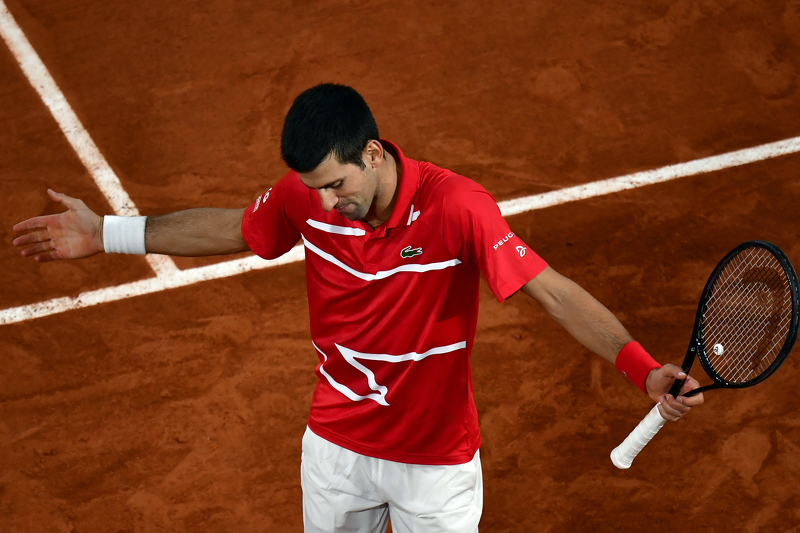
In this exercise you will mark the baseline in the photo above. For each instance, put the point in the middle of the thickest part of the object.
(181, 278)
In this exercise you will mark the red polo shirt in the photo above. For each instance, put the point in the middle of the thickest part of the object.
(394, 309)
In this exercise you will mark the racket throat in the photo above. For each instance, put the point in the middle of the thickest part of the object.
(691, 353)
(703, 389)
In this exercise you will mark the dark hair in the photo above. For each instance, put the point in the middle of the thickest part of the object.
(325, 119)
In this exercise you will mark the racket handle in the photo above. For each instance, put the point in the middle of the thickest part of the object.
(623, 455)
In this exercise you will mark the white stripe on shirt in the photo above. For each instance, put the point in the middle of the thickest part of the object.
(382, 274)
(339, 230)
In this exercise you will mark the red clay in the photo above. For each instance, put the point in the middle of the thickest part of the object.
(183, 410)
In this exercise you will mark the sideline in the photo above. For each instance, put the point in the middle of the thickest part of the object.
(77, 136)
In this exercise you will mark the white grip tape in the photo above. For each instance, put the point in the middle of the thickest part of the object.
(124, 235)
(623, 455)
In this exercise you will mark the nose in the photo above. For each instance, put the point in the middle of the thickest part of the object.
(328, 199)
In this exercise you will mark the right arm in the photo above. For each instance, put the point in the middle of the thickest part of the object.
(196, 232)
(78, 232)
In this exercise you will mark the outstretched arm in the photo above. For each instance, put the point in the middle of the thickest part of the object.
(78, 232)
(196, 232)
(596, 328)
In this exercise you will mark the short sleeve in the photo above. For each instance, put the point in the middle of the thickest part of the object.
(480, 234)
(265, 225)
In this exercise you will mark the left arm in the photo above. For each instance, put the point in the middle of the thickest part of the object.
(596, 328)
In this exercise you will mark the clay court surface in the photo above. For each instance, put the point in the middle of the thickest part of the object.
(183, 410)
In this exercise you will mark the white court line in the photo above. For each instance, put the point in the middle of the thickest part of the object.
(507, 208)
(168, 275)
(648, 177)
(180, 278)
(80, 140)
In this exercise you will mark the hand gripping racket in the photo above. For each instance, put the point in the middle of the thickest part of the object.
(746, 325)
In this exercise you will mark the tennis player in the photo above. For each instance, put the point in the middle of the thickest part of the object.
(394, 249)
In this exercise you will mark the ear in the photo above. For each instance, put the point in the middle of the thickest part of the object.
(373, 154)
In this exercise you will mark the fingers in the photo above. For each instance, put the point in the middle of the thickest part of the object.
(660, 380)
(689, 385)
(68, 201)
(692, 401)
(56, 196)
(50, 255)
(673, 371)
(43, 221)
(46, 246)
(32, 238)
(43, 247)
(40, 240)
(672, 408)
(31, 223)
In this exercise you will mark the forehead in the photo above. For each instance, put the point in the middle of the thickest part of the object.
(328, 172)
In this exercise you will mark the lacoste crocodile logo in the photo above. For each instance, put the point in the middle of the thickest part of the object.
(408, 251)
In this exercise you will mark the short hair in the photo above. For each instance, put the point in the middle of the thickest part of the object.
(327, 119)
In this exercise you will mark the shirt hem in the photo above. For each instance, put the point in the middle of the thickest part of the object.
(397, 457)
(509, 289)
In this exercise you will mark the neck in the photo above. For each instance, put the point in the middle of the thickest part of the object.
(388, 174)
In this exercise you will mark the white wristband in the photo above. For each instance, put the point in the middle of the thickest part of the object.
(124, 235)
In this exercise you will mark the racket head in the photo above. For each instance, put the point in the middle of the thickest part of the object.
(748, 316)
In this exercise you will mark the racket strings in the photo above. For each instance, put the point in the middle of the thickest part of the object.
(761, 331)
(737, 367)
(748, 316)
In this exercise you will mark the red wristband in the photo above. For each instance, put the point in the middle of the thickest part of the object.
(635, 363)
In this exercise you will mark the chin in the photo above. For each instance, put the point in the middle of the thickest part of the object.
(356, 214)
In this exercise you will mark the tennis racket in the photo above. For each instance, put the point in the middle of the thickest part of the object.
(746, 325)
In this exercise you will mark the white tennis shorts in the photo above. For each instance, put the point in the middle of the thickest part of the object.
(346, 492)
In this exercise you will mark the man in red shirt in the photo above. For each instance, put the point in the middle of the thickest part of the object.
(394, 251)
(387, 333)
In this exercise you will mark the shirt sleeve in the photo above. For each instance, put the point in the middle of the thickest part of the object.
(482, 236)
(265, 225)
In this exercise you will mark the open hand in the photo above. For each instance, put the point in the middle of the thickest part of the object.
(75, 233)
(658, 383)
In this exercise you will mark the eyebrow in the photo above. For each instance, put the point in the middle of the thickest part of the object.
(327, 185)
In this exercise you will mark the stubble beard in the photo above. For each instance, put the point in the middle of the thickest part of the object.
(359, 212)
(362, 209)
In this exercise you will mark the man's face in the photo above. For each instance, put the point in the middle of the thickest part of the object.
(344, 187)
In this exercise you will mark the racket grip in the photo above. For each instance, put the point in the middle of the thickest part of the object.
(623, 455)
